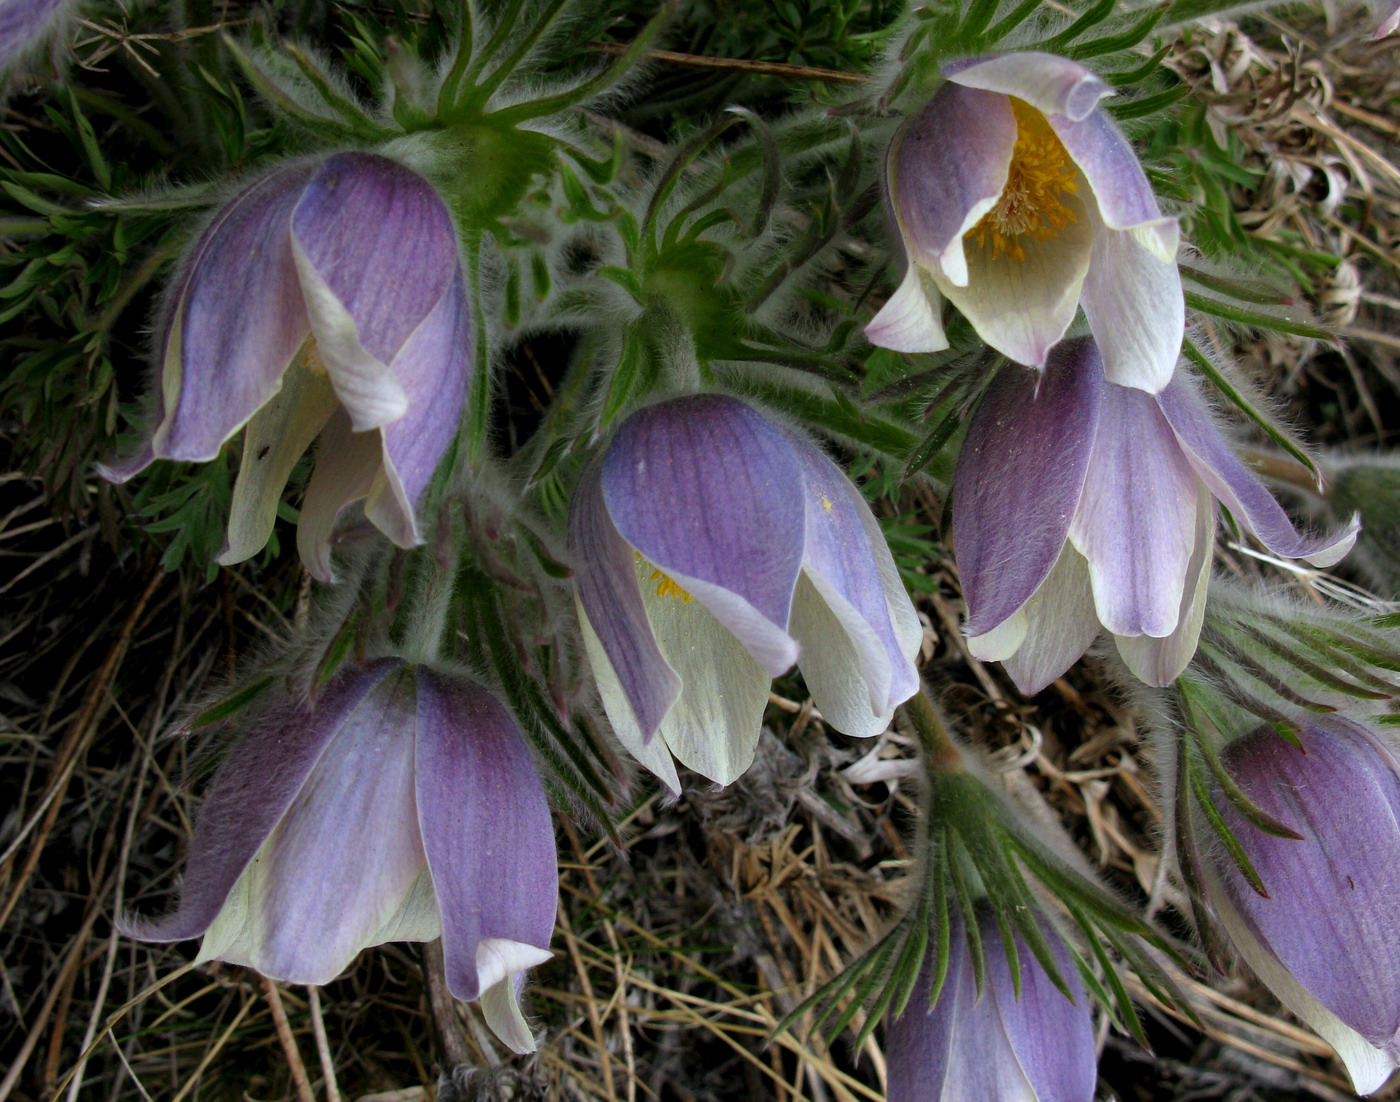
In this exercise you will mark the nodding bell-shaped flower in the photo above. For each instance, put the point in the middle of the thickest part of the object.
(712, 550)
(1079, 503)
(1019, 200)
(327, 299)
(403, 807)
(1326, 938)
(993, 1045)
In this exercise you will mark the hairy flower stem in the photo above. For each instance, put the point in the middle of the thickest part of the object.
(941, 754)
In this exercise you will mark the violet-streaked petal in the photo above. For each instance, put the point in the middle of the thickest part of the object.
(1136, 521)
(253, 789)
(714, 727)
(605, 581)
(708, 490)
(433, 366)
(1238, 490)
(375, 252)
(649, 750)
(346, 855)
(1368, 1065)
(1053, 1038)
(1332, 917)
(911, 320)
(486, 830)
(842, 561)
(237, 321)
(1053, 85)
(1023, 307)
(918, 1042)
(1019, 477)
(1060, 625)
(945, 170)
(23, 23)
(1135, 309)
(1122, 195)
(122, 470)
(346, 466)
(1158, 662)
(276, 437)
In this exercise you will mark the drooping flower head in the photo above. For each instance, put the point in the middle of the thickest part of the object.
(327, 299)
(993, 1045)
(712, 550)
(403, 807)
(1326, 937)
(1018, 199)
(1079, 503)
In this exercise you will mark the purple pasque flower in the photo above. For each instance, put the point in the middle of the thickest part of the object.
(993, 1045)
(712, 549)
(1079, 503)
(1389, 12)
(1018, 199)
(1326, 938)
(24, 23)
(403, 806)
(326, 299)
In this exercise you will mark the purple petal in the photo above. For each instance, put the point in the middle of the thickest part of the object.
(1123, 196)
(1053, 85)
(911, 320)
(1238, 490)
(1159, 662)
(1136, 521)
(434, 367)
(1136, 310)
(256, 784)
(945, 170)
(486, 827)
(236, 323)
(918, 1043)
(1332, 917)
(376, 252)
(347, 854)
(1019, 478)
(1060, 626)
(605, 580)
(843, 556)
(708, 491)
(23, 23)
(1053, 1038)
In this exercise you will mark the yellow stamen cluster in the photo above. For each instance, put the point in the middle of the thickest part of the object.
(666, 587)
(1041, 172)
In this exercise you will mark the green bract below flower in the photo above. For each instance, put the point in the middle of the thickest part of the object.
(712, 550)
(1018, 199)
(325, 300)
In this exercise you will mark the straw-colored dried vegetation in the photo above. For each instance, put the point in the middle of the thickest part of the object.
(677, 953)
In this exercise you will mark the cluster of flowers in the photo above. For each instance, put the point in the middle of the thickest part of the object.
(714, 547)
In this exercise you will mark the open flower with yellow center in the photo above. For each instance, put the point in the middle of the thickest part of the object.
(711, 550)
(1019, 200)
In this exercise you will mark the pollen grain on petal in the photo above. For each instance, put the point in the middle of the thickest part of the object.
(1032, 202)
